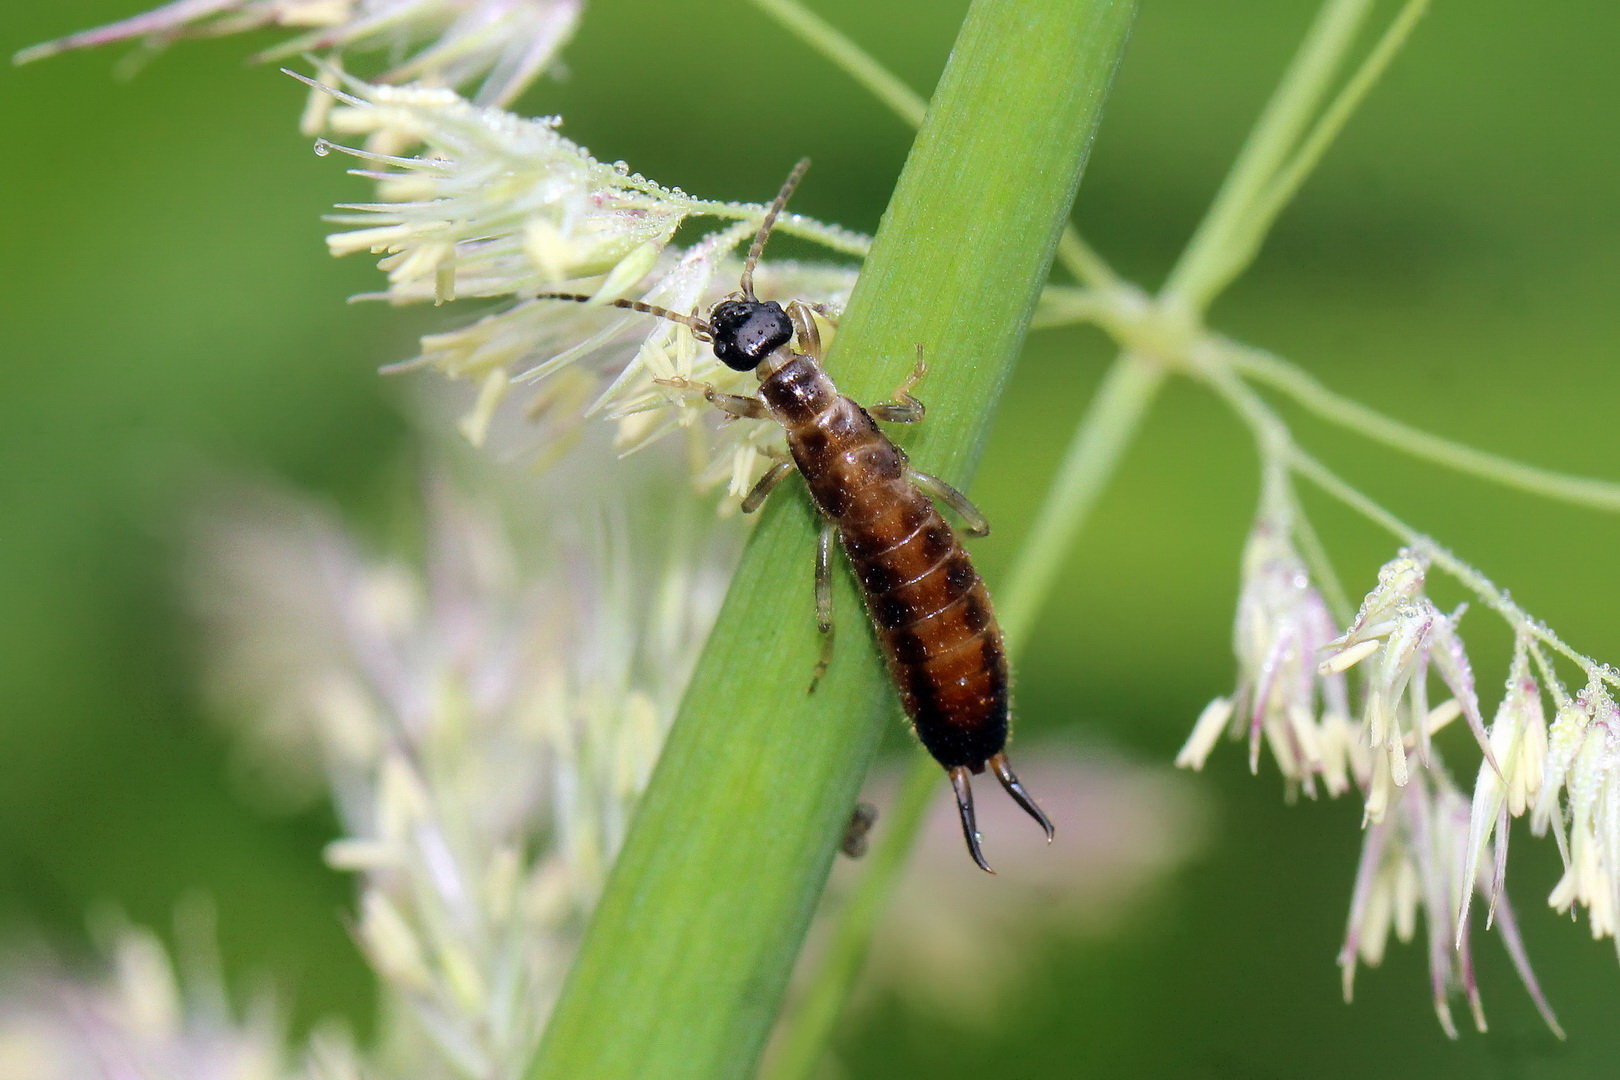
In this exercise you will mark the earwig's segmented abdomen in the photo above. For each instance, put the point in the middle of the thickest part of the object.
(933, 617)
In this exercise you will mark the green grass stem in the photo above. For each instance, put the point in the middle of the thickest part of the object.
(1308, 391)
(1205, 265)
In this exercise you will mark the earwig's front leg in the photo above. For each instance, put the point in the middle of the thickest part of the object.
(977, 523)
(735, 405)
(765, 485)
(825, 311)
(904, 409)
(744, 408)
(804, 326)
(824, 602)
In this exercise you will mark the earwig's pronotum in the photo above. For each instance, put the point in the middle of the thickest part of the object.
(932, 614)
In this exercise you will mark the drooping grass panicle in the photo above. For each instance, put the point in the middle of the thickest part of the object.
(1412, 864)
(1282, 699)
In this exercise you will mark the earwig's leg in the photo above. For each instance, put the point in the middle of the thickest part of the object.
(1004, 773)
(861, 820)
(897, 412)
(765, 485)
(824, 311)
(805, 327)
(824, 603)
(977, 523)
(904, 409)
(744, 408)
(964, 804)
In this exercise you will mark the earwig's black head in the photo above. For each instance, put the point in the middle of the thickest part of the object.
(747, 331)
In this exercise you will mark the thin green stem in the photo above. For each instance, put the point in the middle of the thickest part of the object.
(1329, 482)
(1088, 267)
(833, 237)
(1109, 425)
(1549, 675)
(1068, 305)
(1074, 253)
(1316, 557)
(1197, 276)
(1303, 388)
(1122, 317)
(1250, 233)
(1516, 617)
(849, 57)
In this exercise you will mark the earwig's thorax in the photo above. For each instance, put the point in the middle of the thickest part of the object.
(747, 331)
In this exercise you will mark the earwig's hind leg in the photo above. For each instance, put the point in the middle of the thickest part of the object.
(1004, 773)
(904, 409)
(972, 516)
(897, 412)
(824, 604)
(964, 804)
(765, 485)
(805, 327)
(861, 820)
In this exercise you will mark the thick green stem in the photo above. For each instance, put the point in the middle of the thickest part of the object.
(684, 965)
(810, 1027)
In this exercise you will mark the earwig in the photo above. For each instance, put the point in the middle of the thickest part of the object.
(930, 609)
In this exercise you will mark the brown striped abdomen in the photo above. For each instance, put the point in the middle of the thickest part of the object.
(932, 614)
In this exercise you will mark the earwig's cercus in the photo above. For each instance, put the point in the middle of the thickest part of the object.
(930, 609)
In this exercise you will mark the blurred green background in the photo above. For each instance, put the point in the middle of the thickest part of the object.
(168, 312)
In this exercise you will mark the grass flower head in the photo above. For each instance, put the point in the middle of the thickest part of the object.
(486, 721)
(500, 45)
(500, 208)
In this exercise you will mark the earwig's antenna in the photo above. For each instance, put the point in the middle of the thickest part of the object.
(702, 329)
(764, 234)
(964, 803)
(1004, 773)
